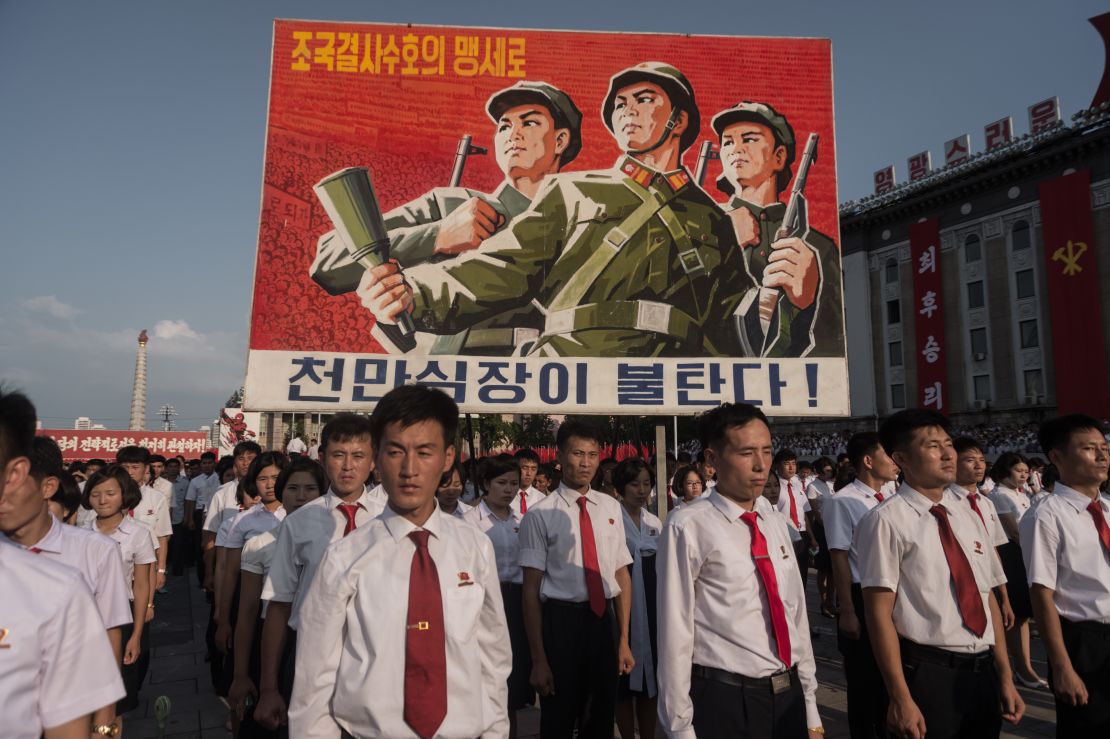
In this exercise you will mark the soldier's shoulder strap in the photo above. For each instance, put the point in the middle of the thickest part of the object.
(651, 202)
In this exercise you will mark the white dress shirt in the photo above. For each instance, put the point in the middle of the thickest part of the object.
(351, 644)
(304, 537)
(57, 661)
(900, 550)
(991, 523)
(136, 547)
(99, 561)
(817, 492)
(642, 541)
(504, 534)
(258, 552)
(713, 610)
(842, 515)
(177, 508)
(551, 541)
(165, 487)
(250, 523)
(1008, 501)
(223, 505)
(460, 511)
(154, 512)
(530, 494)
(296, 446)
(201, 489)
(786, 488)
(1063, 553)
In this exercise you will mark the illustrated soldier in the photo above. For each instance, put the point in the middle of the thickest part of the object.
(537, 132)
(757, 151)
(633, 261)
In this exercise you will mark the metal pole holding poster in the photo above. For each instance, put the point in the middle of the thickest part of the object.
(661, 471)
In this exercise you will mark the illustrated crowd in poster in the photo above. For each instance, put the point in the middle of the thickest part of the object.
(545, 221)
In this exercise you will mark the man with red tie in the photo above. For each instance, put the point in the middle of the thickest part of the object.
(402, 631)
(529, 495)
(576, 595)
(794, 504)
(927, 569)
(348, 460)
(735, 658)
(1066, 543)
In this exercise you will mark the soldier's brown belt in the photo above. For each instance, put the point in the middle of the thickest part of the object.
(499, 337)
(632, 315)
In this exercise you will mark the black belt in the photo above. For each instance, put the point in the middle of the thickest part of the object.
(1091, 627)
(912, 651)
(577, 605)
(780, 682)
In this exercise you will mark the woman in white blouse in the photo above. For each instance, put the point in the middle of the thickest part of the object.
(111, 494)
(1010, 473)
(637, 692)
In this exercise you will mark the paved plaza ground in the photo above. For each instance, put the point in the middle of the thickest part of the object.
(178, 671)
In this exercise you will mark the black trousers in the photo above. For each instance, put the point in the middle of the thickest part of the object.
(867, 697)
(801, 553)
(957, 694)
(135, 673)
(180, 554)
(747, 711)
(194, 543)
(582, 652)
(1088, 646)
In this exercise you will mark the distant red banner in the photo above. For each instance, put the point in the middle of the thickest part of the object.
(932, 377)
(81, 445)
(1073, 295)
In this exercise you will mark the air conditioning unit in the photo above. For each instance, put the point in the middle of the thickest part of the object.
(979, 404)
(979, 356)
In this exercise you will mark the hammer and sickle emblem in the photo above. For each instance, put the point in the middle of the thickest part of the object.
(1070, 255)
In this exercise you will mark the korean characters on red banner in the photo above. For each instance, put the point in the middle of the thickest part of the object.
(928, 314)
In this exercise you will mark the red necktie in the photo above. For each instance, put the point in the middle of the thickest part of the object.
(967, 592)
(523, 502)
(131, 512)
(973, 501)
(425, 645)
(349, 510)
(594, 587)
(793, 505)
(770, 587)
(1100, 523)
(35, 550)
(879, 497)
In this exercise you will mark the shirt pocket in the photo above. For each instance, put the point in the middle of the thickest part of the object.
(462, 608)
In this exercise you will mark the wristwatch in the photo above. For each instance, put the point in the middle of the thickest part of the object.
(111, 729)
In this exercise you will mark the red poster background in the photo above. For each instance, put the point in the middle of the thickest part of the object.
(929, 323)
(82, 445)
(405, 129)
(1078, 353)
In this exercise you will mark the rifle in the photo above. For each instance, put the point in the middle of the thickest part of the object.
(462, 151)
(706, 153)
(794, 224)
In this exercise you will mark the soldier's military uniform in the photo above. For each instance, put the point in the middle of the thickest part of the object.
(414, 227)
(817, 331)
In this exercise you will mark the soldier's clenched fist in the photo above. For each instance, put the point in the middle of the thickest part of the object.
(384, 292)
(745, 226)
(467, 227)
(793, 267)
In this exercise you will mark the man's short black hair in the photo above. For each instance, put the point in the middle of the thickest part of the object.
(132, 496)
(897, 431)
(173, 460)
(17, 426)
(966, 444)
(627, 471)
(1056, 433)
(861, 445)
(684, 458)
(157, 458)
(344, 427)
(714, 424)
(578, 430)
(411, 404)
(527, 454)
(132, 454)
(196, 462)
(68, 494)
(95, 462)
(784, 455)
(46, 459)
(244, 447)
(208, 455)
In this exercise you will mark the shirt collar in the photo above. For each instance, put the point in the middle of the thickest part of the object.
(399, 527)
(332, 500)
(1076, 499)
(920, 504)
(730, 510)
(52, 541)
(864, 488)
(571, 495)
(513, 199)
(645, 176)
(771, 212)
(484, 512)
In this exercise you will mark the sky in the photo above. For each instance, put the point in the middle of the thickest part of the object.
(131, 146)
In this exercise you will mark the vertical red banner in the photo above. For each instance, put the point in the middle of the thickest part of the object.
(928, 315)
(1073, 295)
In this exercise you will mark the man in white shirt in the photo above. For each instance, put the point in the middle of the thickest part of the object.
(576, 595)
(179, 489)
(199, 493)
(843, 512)
(296, 446)
(224, 505)
(432, 659)
(314, 449)
(927, 571)
(303, 538)
(529, 496)
(794, 504)
(1065, 541)
(735, 657)
(153, 511)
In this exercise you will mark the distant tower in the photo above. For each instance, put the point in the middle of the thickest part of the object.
(138, 391)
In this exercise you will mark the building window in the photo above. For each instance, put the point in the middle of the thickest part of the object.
(1019, 235)
(979, 343)
(895, 353)
(975, 295)
(982, 387)
(1029, 337)
(973, 249)
(891, 271)
(1024, 281)
(897, 396)
(893, 312)
(1034, 384)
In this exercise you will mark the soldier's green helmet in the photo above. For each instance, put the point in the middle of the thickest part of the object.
(677, 87)
(765, 115)
(563, 110)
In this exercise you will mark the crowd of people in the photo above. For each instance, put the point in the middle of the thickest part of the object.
(375, 586)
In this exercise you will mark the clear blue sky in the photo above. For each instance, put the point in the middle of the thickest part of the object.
(131, 138)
